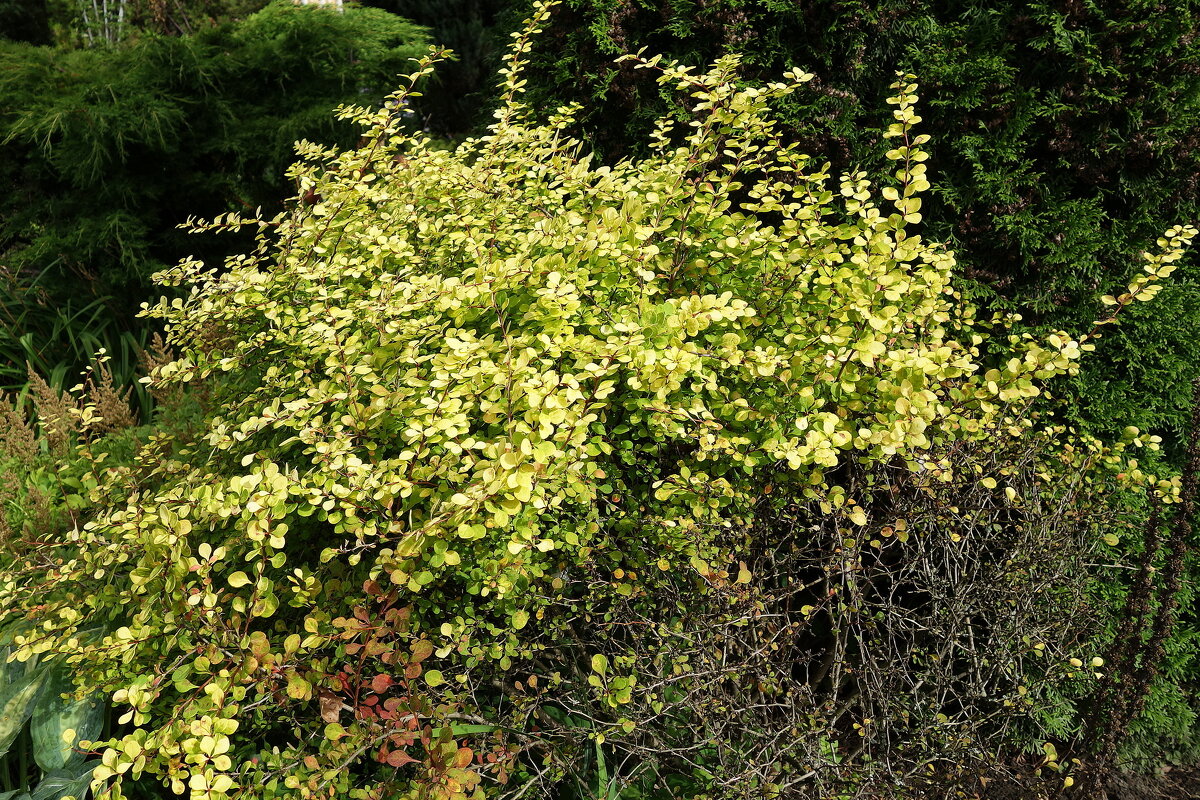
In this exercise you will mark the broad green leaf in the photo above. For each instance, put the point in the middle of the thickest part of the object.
(70, 782)
(7, 672)
(16, 704)
(54, 714)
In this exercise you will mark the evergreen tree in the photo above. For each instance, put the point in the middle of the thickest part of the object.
(105, 152)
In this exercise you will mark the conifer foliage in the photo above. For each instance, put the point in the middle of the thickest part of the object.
(105, 152)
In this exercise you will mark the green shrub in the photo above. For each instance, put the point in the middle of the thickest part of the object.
(1166, 731)
(105, 152)
(1063, 139)
(63, 456)
(53, 463)
(528, 475)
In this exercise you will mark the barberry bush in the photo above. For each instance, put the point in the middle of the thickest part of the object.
(1063, 134)
(524, 476)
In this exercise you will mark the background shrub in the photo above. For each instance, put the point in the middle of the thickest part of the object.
(461, 96)
(1063, 139)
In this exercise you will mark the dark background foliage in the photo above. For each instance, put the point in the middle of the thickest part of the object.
(25, 21)
(459, 98)
(105, 151)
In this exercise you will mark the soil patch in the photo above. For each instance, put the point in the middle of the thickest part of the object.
(1179, 783)
(1171, 783)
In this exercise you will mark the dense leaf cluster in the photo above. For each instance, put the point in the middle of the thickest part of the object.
(1065, 138)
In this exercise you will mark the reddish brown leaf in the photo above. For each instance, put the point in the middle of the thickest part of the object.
(398, 758)
(422, 649)
(412, 671)
(463, 757)
(381, 683)
(331, 705)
